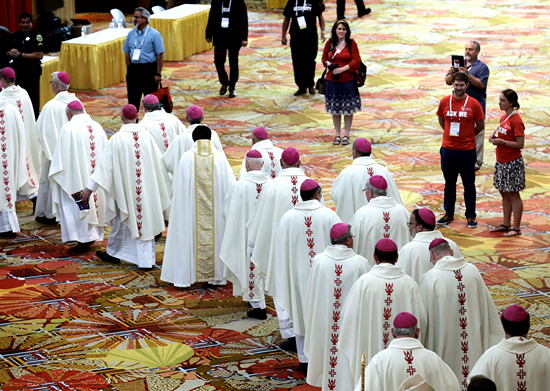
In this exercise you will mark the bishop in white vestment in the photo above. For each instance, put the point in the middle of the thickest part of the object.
(381, 218)
(75, 157)
(517, 362)
(237, 206)
(270, 154)
(14, 173)
(19, 98)
(131, 172)
(414, 257)
(163, 126)
(301, 233)
(372, 304)
(405, 357)
(201, 183)
(462, 318)
(52, 117)
(347, 188)
(333, 273)
(278, 196)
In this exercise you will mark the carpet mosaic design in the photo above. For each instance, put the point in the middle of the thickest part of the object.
(72, 322)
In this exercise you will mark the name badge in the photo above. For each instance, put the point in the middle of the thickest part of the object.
(135, 55)
(302, 22)
(455, 129)
(225, 23)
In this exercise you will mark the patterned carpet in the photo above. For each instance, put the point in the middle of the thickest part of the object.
(74, 323)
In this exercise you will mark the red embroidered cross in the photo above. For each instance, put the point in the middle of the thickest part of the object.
(465, 359)
(460, 286)
(462, 311)
(411, 371)
(309, 232)
(336, 304)
(388, 301)
(464, 334)
(335, 328)
(333, 350)
(521, 373)
(386, 325)
(332, 373)
(338, 281)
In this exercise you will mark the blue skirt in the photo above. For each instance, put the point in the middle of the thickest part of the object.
(342, 98)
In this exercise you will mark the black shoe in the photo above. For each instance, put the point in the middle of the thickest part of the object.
(33, 200)
(289, 345)
(311, 90)
(223, 90)
(365, 12)
(8, 235)
(45, 220)
(157, 237)
(303, 368)
(102, 255)
(232, 93)
(300, 92)
(82, 247)
(257, 313)
(146, 269)
(444, 220)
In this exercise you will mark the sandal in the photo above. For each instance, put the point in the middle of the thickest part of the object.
(336, 140)
(512, 232)
(345, 141)
(501, 228)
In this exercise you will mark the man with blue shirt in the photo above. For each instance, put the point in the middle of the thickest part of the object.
(478, 77)
(144, 49)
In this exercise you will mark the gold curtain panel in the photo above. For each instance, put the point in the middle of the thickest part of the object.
(49, 66)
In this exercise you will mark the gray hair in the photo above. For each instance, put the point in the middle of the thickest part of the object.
(342, 238)
(441, 248)
(408, 332)
(377, 192)
(144, 13)
(61, 85)
(255, 162)
(477, 46)
(154, 107)
(75, 112)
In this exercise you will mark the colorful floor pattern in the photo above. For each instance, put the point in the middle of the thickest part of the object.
(72, 322)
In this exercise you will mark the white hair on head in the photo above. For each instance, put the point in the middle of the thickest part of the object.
(144, 13)
(409, 331)
(376, 191)
(62, 85)
(75, 112)
(254, 161)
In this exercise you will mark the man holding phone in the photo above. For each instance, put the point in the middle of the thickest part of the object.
(478, 77)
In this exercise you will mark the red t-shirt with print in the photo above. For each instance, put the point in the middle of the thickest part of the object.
(468, 112)
(511, 129)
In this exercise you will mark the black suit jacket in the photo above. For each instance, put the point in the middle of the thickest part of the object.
(238, 21)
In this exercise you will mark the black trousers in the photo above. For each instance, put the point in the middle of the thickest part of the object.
(30, 81)
(140, 81)
(341, 8)
(221, 47)
(304, 51)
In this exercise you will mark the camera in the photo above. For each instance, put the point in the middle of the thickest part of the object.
(332, 67)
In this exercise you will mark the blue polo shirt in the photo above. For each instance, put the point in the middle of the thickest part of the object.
(480, 70)
(151, 46)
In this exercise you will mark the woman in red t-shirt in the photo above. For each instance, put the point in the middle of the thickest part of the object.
(509, 176)
(342, 58)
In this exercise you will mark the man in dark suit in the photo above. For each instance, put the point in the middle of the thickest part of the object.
(228, 28)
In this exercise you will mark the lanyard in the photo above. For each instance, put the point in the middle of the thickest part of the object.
(143, 39)
(303, 7)
(500, 125)
(226, 9)
(451, 105)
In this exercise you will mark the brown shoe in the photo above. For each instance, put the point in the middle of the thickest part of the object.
(223, 90)
(232, 93)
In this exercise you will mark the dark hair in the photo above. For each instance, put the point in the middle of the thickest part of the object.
(201, 132)
(359, 153)
(334, 37)
(460, 76)
(25, 15)
(481, 383)
(194, 121)
(309, 194)
(516, 329)
(421, 222)
(153, 107)
(8, 80)
(512, 97)
(385, 256)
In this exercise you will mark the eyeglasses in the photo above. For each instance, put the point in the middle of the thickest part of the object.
(409, 224)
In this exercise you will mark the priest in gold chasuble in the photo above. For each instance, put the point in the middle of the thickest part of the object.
(201, 181)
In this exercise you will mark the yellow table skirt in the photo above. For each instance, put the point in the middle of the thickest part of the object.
(276, 3)
(183, 37)
(92, 67)
(46, 93)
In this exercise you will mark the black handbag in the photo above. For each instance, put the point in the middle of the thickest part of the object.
(360, 75)
(320, 85)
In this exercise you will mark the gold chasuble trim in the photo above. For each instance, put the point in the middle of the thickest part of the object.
(205, 222)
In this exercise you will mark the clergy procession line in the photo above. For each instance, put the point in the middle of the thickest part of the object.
(345, 283)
